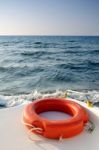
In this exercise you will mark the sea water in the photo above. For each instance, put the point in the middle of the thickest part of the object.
(33, 67)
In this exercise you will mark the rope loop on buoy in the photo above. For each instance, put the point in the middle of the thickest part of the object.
(89, 126)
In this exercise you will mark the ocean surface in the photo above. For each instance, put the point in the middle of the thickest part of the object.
(33, 67)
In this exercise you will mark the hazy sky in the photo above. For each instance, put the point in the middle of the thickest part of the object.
(49, 17)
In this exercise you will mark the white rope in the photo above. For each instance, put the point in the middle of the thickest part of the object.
(33, 128)
(61, 138)
(39, 130)
(89, 126)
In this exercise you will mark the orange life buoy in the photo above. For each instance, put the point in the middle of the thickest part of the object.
(55, 128)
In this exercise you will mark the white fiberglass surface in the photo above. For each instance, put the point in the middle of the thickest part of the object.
(55, 115)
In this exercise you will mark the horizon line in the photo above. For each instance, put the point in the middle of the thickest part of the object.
(45, 35)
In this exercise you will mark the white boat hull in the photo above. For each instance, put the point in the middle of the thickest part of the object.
(13, 135)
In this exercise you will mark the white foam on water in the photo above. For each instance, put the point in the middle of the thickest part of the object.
(10, 101)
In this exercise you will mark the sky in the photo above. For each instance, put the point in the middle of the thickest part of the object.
(49, 17)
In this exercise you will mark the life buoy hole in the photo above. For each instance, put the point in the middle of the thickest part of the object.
(55, 115)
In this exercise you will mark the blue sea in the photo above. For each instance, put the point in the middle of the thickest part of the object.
(33, 67)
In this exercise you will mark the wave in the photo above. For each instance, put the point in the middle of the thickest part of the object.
(3, 69)
(11, 43)
(37, 53)
(72, 66)
(38, 43)
(85, 52)
(72, 47)
(71, 41)
(11, 101)
(92, 63)
(94, 51)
